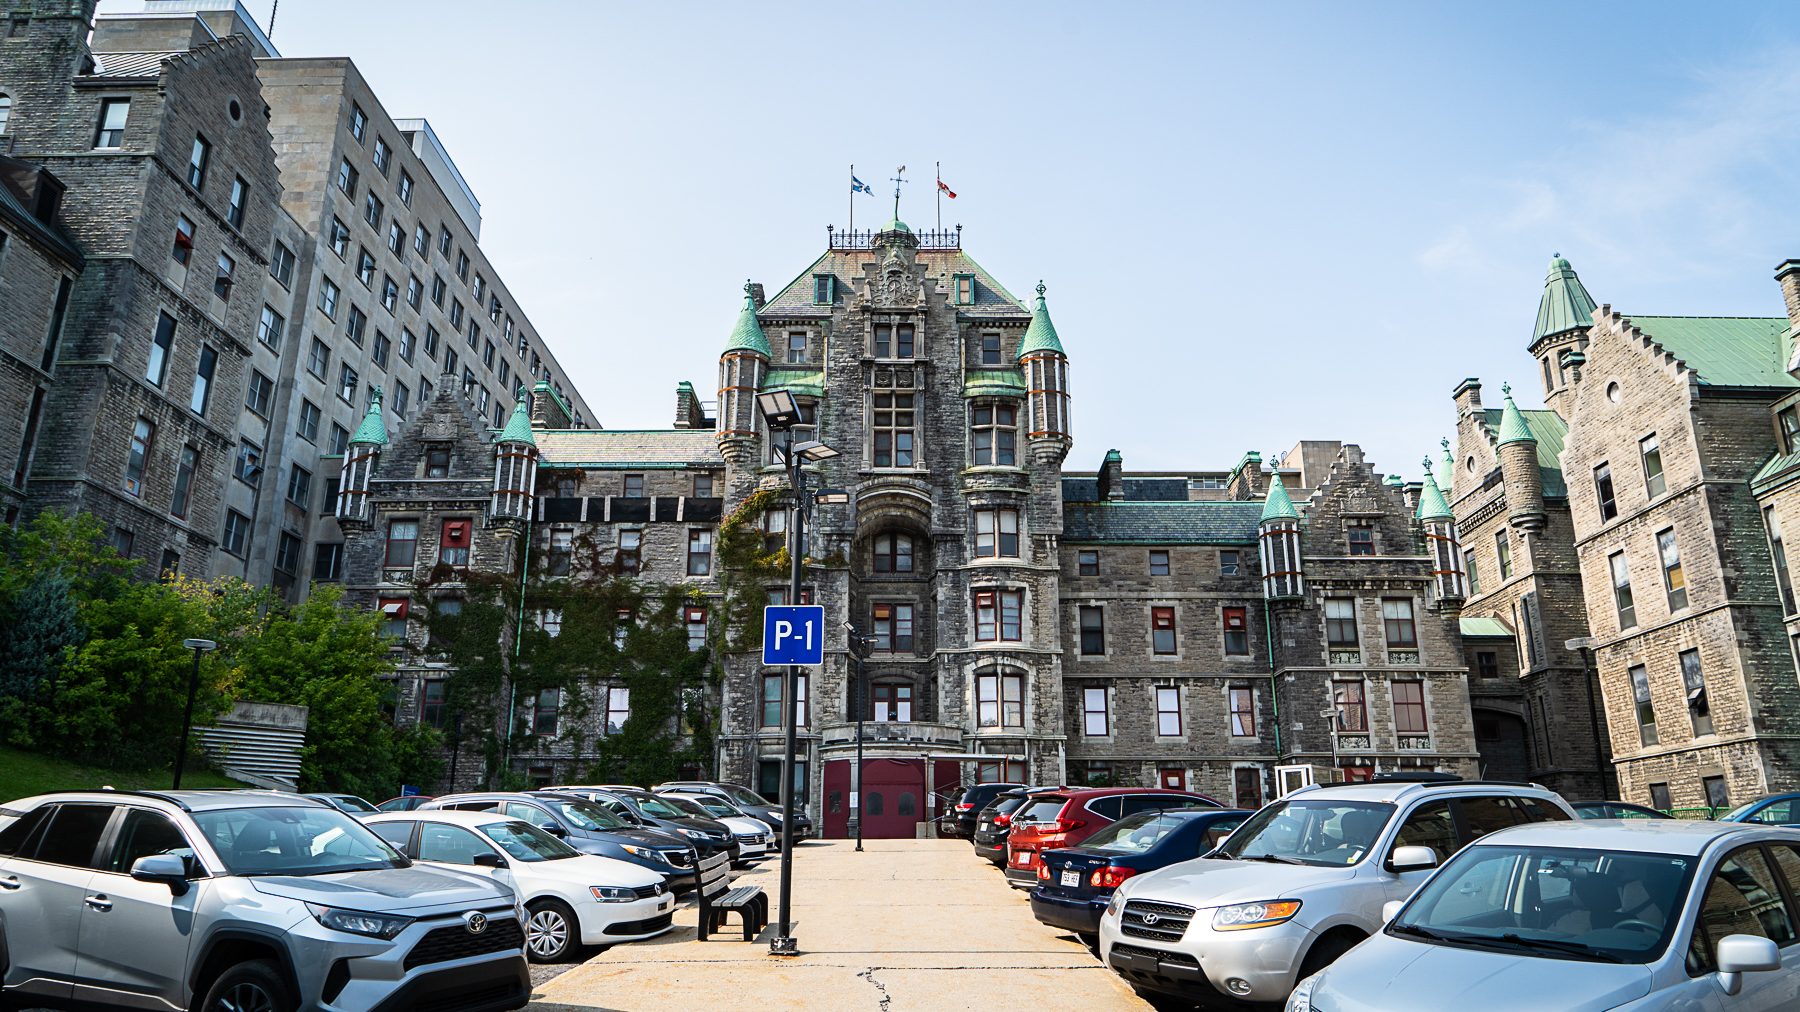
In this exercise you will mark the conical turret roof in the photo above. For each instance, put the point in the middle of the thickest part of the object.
(518, 427)
(1449, 461)
(1566, 304)
(372, 431)
(1041, 335)
(1432, 505)
(1278, 506)
(748, 335)
(1512, 421)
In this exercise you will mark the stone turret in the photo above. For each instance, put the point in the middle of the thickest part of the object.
(1279, 535)
(1565, 312)
(742, 368)
(515, 466)
(1046, 368)
(361, 456)
(1449, 573)
(1518, 452)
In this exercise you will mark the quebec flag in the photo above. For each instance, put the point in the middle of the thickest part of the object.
(858, 186)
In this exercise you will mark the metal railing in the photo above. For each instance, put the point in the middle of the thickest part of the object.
(929, 239)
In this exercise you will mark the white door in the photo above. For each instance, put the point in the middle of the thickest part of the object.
(135, 936)
(1742, 898)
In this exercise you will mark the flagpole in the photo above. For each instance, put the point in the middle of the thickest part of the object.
(853, 198)
(939, 194)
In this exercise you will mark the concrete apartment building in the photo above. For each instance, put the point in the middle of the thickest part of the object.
(202, 411)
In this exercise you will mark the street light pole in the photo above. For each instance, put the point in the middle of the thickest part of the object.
(859, 698)
(198, 646)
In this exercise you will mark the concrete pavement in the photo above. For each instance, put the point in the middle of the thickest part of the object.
(904, 925)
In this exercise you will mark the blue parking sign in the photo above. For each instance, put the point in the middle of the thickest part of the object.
(794, 634)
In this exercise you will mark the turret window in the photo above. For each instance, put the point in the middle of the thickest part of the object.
(998, 615)
(996, 533)
(894, 420)
(994, 433)
(1000, 700)
(892, 702)
(893, 553)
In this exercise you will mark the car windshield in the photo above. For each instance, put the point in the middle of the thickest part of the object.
(1315, 831)
(655, 807)
(1552, 902)
(1043, 809)
(711, 805)
(585, 816)
(1134, 834)
(1005, 804)
(527, 842)
(688, 807)
(294, 841)
(745, 796)
(352, 803)
(1775, 811)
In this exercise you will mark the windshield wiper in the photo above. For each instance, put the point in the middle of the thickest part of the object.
(1557, 945)
(1419, 932)
(1272, 858)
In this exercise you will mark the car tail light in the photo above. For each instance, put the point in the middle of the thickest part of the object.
(1002, 820)
(1043, 872)
(1068, 825)
(963, 806)
(1110, 876)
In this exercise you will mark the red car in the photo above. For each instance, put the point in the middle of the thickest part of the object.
(1067, 817)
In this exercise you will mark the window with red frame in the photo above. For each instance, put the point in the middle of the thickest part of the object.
(695, 619)
(453, 547)
(999, 615)
(1409, 707)
(1162, 630)
(893, 627)
(1237, 631)
(1352, 714)
(402, 544)
(393, 611)
(1243, 712)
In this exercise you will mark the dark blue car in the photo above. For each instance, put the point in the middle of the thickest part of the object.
(1075, 884)
(1769, 810)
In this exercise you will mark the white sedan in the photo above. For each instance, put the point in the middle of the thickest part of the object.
(754, 836)
(570, 898)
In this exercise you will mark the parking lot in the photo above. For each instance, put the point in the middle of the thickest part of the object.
(906, 924)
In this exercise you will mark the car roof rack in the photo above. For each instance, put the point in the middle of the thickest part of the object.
(156, 795)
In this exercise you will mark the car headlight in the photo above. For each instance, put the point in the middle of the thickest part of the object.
(1116, 904)
(1239, 916)
(1301, 999)
(644, 852)
(359, 922)
(613, 894)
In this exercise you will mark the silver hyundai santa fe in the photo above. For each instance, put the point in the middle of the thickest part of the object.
(239, 900)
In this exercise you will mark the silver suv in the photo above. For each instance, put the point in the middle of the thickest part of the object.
(224, 900)
(1299, 883)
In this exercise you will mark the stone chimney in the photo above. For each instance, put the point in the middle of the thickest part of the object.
(1788, 274)
(756, 294)
(548, 411)
(1112, 476)
(689, 413)
(1468, 397)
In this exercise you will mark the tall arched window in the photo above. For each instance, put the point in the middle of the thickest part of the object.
(894, 553)
(5, 110)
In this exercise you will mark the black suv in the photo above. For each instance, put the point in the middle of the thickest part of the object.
(586, 827)
(995, 821)
(960, 818)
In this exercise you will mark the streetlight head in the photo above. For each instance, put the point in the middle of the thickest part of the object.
(814, 451)
(778, 408)
(201, 645)
(832, 496)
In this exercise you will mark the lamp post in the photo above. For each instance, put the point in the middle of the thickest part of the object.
(781, 413)
(859, 692)
(198, 646)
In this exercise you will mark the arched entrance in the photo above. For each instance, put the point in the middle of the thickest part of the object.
(1501, 741)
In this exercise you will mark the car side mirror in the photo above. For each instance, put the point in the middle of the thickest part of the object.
(489, 860)
(1412, 859)
(165, 868)
(1391, 910)
(1741, 954)
(553, 829)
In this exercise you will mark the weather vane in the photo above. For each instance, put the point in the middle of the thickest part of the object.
(899, 177)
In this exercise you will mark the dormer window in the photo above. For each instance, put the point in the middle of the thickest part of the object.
(796, 347)
(824, 289)
(965, 289)
(437, 460)
(990, 348)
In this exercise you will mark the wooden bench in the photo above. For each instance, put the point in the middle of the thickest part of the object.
(718, 898)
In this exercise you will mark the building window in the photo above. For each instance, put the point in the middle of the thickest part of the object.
(328, 298)
(359, 123)
(237, 527)
(1788, 420)
(139, 457)
(562, 547)
(421, 239)
(287, 553)
(1093, 629)
(170, 566)
(892, 701)
(1603, 492)
(618, 708)
(1162, 630)
(379, 352)
(1694, 681)
(796, 347)
(347, 384)
(299, 490)
(406, 188)
(1503, 552)
(240, 195)
(1159, 562)
(893, 422)
(402, 544)
(5, 99)
(1487, 664)
(1228, 563)
(1168, 711)
(186, 465)
(965, 290)
(994, 434)
(390, 293)
(340, 439)
(1352, 715)
(222, 281)
(1659, 797)
(990, 348)
(271, 327)
(183, 248)
(998, 615)
(110, 133)
(328, 562)
(248, 468)
(1622, 599)
(462, 265)
(197, 157)
(1778, 556)
(453, 546)
(1650, 452)
(1000, 700)
(1409, 707)
(893, 627)
(1474, 576)
(631, 544)
(997, 533)
(340, 238)
(203, 377)
(695, 620)
(1719, 799)
(1340, 622)
(1237, 632)
(372, 210)
(771, 699)
(1243, 711)
(1095, 721)
(703, 485)
(1087, 563)
(1674, 581)
(1362, 539)
(700, 552)
(824, 289)
(1646, 712)
(431, 342)
(1397, 622)
(258, 392)
(162, 345)
(365, 267)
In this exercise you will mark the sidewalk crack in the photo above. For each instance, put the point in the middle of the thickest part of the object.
(886, 999)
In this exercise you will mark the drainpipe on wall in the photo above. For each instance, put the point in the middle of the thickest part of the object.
(1274, 692)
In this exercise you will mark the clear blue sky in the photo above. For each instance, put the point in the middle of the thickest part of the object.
(1258, 223)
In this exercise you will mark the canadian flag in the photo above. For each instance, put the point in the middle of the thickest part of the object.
(947, 191)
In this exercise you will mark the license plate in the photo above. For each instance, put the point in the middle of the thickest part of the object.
(986, 826)
(1022, 858)
(1071, 878)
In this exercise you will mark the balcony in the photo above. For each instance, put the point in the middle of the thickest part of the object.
(891, 732)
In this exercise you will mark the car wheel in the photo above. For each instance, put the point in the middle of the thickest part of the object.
(549, 931)
(1325, 952)
(255, 986)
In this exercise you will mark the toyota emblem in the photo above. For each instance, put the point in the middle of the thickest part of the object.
(475, 921)
(1146, 918)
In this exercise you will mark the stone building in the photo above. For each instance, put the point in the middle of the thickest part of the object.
(265, 247)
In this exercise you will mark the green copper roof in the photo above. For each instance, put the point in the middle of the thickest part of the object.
(1041, 335)
(896, 225)
(1112, 455)
(518, 427)
(1483, 626)
(994, 383)
(1449, 461)
(1431, 499)
(1727, 351)
(798, 380)
(748, 334)
(1566, 305)
(1512, 424)
(1548, 428)
(372, 431)
(1278, 506)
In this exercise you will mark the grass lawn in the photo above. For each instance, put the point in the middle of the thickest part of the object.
(23, 774)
